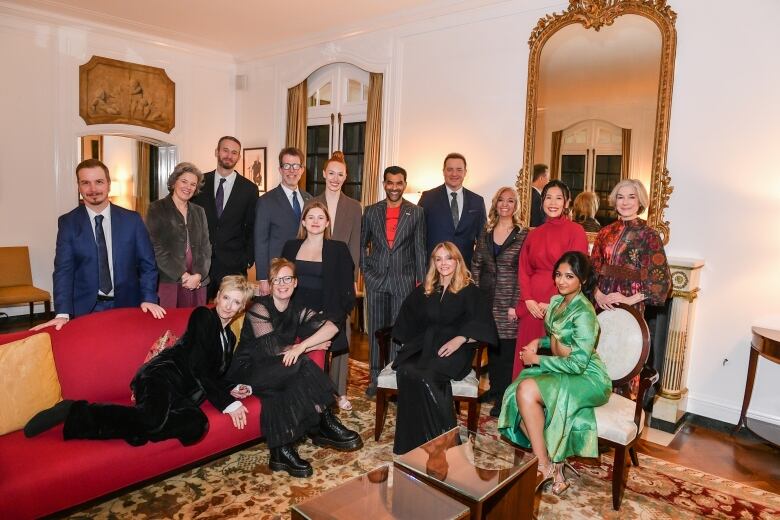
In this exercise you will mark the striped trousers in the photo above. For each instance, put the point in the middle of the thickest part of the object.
(382, 309)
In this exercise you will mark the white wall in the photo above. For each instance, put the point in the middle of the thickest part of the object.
(40, 55)
(458, 82)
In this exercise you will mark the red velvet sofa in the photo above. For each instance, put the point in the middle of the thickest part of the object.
(96, 357)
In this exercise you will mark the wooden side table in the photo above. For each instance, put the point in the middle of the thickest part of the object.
(765, 343)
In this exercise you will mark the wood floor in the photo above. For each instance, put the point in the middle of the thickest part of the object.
(742, 458)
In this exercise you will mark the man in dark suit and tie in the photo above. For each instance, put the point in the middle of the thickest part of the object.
(229, 202)
(452, 212)
(104, 258)
(541, 176)
(392, 257)
(278, 214)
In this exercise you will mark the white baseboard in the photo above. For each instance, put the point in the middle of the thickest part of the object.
(710, 407)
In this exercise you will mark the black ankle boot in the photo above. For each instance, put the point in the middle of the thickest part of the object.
(48, 419)
(335, 435)
(285, 458)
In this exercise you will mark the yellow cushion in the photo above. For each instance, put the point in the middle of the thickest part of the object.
(236, 325)
(28, 381)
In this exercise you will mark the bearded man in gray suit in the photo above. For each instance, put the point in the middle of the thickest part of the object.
(392, 257)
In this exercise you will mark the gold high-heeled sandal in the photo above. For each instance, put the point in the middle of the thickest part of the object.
(567, 465)
(559, 487)
(544, 478)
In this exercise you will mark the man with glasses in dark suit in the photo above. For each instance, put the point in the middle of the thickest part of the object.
(278, 214)
(392, 257)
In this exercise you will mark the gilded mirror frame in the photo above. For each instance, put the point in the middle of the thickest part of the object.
(595, 14)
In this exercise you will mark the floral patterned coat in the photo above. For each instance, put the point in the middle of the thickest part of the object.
(628, 257)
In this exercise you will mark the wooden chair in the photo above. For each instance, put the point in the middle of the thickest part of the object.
(624, 345)
(16, 280)
(464, 391)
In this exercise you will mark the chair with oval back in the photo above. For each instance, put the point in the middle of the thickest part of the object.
(624, 345)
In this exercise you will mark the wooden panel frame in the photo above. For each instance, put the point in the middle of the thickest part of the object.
(119, 92)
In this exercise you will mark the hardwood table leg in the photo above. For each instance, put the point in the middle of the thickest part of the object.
(751, 376)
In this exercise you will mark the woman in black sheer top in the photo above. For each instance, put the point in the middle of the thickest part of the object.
(296, 393)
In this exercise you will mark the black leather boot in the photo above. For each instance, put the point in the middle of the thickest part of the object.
(48, 418)
(333, 434)
(286, 458)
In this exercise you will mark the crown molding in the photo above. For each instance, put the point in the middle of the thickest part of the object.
(101, 24)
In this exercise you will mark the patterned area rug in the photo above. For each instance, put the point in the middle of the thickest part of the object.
(241, 485)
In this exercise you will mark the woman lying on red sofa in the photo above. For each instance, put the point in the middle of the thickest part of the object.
(170, 387)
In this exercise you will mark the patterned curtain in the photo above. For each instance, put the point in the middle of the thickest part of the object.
(296, 121)
(371, 166)
(626, 160)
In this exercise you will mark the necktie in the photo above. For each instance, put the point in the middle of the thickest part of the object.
(220, 198)
(454, 210)
(104, 273)
(296, 205)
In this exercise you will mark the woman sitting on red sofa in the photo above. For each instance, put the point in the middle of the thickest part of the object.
(170, 387)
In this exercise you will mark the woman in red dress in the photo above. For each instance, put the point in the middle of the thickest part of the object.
(541, 249)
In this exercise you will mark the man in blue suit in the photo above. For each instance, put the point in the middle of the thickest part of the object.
(452, 212)
(104, 258)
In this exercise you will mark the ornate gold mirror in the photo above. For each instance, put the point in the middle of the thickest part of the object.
(599, 97)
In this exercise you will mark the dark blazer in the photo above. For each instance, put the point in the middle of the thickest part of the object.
(232, 250)
(393, 270)
(201, 360)
(338, 287)
(76, 265)
(275, 224)
(168, 232)
(497, 277)
(537, 213)
(438, 220)
(346, 226)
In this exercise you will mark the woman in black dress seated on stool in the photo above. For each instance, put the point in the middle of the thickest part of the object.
(438, 325)
(296, 393)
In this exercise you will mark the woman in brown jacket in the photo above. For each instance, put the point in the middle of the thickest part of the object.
(494, 269)
(180, 236)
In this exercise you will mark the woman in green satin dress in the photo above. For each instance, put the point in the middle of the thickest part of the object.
(550, 406)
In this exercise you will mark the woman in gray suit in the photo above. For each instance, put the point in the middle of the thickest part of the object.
(180, 236)
(346, 214)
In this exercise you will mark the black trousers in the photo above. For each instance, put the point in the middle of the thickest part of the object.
(164, 410)
(500, 362)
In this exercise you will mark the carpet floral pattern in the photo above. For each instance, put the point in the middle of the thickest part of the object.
(241, 485)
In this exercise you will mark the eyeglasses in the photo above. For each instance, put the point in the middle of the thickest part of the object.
(291, 166)
(283, 280)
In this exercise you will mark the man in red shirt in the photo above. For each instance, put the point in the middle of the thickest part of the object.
(392, 258)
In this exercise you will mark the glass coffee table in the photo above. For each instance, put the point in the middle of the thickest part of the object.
(382, 494)
(494, 479)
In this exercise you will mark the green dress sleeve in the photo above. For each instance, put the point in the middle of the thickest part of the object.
(582, 320)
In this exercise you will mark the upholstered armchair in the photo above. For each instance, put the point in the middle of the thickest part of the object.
(624, 345)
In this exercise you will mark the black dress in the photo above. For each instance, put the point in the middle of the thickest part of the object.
(294, 396)
(424, 324)
(326, 286)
